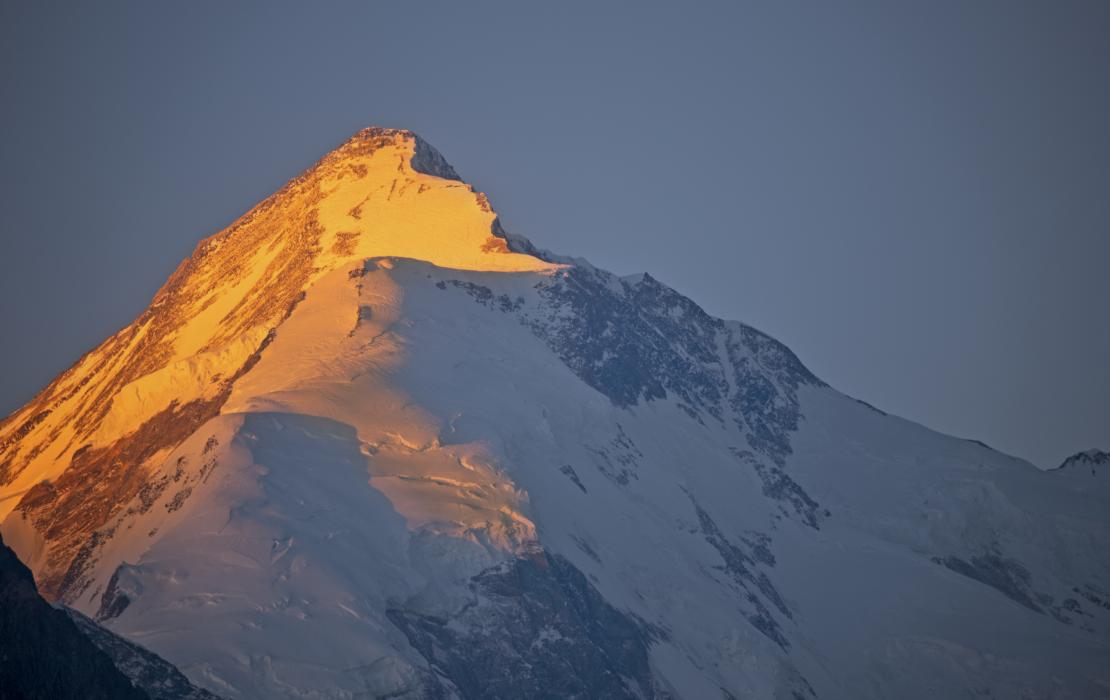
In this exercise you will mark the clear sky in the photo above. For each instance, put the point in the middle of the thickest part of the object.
(914, 197)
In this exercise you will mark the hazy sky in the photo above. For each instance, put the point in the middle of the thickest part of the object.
(915, 198)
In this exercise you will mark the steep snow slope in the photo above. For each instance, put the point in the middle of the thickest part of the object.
(366, 444)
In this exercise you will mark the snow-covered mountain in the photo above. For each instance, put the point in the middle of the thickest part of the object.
(364, 443)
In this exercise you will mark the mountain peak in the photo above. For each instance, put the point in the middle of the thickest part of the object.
(1091, 459)
(383, 193)
(388, 192)
(425, 158)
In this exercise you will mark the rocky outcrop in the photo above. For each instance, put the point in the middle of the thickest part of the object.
(1090, 460)
(536, 628)
(157, 677)
(43, 654)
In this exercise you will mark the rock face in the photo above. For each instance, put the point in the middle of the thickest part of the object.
(365, 443)
(149, 672)
(536, 629)
(43, 654)
(50, 653)
(1092, 460)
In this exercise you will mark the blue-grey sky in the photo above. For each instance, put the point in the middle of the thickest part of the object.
(914, 197)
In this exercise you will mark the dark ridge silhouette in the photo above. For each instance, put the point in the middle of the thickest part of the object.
(42, 653)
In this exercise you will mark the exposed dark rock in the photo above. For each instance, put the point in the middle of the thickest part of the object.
(586, 548)
(485, 296)
(754, 585)
(619, 459)
(568, 470)
(1090, 460)
(157, 677)
(759, 544)
(625, 341)
(778, 486)
(766, 379)
(26, 427)
(1008, 576)
(635, 339)
(113, 601)
(536, 629)
(42, 652)
(428, 160)
(1094, 596)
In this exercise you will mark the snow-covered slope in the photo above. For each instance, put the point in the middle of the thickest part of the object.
(364, 443)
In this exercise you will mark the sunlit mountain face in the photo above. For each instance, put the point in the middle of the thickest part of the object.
(365, 443)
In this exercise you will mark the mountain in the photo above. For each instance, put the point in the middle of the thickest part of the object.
(365, 443)
(147, 671)
(1093, 460)
(43, 654)
(54, 653)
